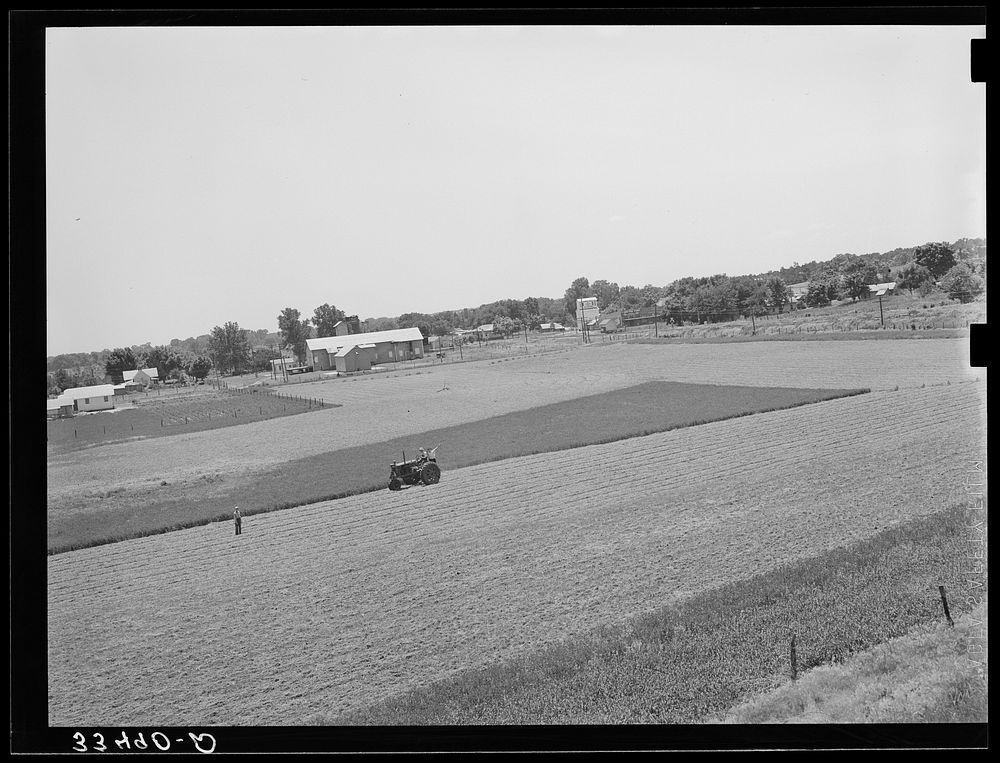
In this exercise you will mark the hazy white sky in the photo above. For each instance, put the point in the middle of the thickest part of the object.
(203, 175)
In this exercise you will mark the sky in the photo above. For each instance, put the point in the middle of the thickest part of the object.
(196, 176)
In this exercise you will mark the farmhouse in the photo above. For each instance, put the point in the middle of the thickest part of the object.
(378, 347)
(100, 397)
(143, 377)
(551, 327)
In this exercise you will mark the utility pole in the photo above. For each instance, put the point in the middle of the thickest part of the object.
(880, 315)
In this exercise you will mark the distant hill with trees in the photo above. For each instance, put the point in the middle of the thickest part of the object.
(958, 267)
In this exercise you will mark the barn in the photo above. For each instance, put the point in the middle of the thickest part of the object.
(100, 397)
(379, 347)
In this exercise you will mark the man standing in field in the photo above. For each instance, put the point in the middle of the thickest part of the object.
(238, 520)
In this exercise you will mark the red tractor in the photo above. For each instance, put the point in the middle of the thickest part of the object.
(422, 470)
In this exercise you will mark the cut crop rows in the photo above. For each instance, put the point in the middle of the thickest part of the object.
(332, 606)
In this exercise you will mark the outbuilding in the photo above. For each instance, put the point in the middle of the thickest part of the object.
(882, 289)
(59, 407)
(100, 397)
(379, 346)
(349, 359)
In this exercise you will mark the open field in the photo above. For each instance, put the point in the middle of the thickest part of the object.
(331, 607)
(932, 674)
(688, 661)
(630, 412)
(385, 407)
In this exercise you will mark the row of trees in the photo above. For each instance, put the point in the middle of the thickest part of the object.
(711, 298)
(958, 268)
(932, 264)
(846, 276)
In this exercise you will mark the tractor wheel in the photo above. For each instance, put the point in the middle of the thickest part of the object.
(430, 473)
(395, 484)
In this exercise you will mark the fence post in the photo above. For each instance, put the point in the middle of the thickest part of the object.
(795, 667)
(944, 601)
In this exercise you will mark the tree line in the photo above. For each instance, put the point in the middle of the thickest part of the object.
(957, 268)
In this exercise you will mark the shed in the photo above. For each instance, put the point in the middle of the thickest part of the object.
(59, 407)
(354, 358)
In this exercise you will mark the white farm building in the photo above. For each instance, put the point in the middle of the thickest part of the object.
(99, 397)
(359, 352)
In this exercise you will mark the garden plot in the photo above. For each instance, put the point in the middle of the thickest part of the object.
(328, 607)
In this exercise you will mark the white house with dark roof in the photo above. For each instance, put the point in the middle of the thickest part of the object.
(99, 397)
(378, 346)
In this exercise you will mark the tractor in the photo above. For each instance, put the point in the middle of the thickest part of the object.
(422, 470)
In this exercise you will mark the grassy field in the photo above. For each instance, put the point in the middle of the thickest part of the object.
(935, 673)
(631, 412)
(690, 662)
(338, 606)
(173, 412)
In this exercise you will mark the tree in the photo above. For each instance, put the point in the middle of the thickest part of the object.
(325, 317)
(163, 359)
(63, 380)
(120, 359)
(229, 348)
(199, 367)
(911, 276)
(531, 306)
(855, 285)
(961, 283)
(294, 332)
(420, 320)
(650, 295)
(579, 289)
(817, 294)
(381, 324)
(606, 293)
(503, 324)
(777, 292)
(938, 258)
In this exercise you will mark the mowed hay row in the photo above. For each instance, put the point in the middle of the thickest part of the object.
(379, 407)
(330, 607)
